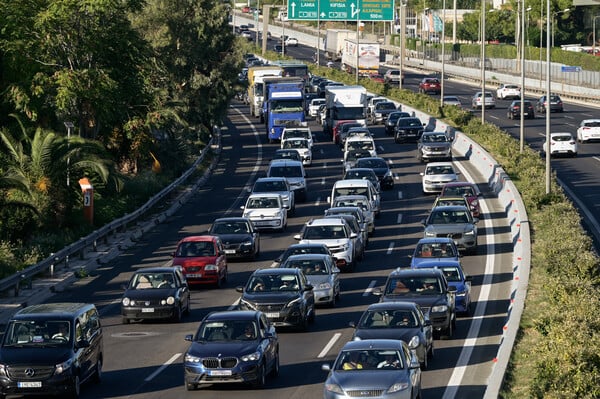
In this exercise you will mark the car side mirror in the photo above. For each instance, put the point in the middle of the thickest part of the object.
(297, 237)
(427, 323)
(414, 362)
(308, 287)
(475, 220)
(423, 221)
(328, 199)
(243, 207)
(451, 288)
(239, 289)
(335, 269)
(377, 291)
(123, 286)
(83, 343)
(468, 278)
(326, 367)
(422, 174)
(352, 324)
(189, 337)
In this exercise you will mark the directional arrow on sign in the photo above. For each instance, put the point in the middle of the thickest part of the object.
(353, 12)
(293, 9)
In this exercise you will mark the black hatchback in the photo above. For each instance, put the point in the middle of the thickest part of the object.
(408, 129)
(284, 295)
(514, 110)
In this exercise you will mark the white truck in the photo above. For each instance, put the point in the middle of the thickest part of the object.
(344, 103)
(334, 42)
(256, 77)
(362, 55)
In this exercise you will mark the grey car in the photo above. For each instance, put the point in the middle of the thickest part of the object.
(382, 368)
(434, 146)
(277, 185)
(455, 222)
(357, 213)
(397, 320)
(321, 273)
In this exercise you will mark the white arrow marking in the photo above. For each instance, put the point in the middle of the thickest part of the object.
(293, 10)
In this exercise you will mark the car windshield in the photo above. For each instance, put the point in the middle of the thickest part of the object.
(295, 144)
(405, 122)
(452, 273)
(360, 174)
(385, 105)
(361, 203)
(287, 154)
(360, 145)
(351, 191)
(435, 250)
(285, 171)
(310, 267)
(227, 330)
(324, 232)
(459, 191)
(282, 106)
(372, 163)
(381, 360)
(439, 170)
(381, 319)
(230, 228)
(434, 138)
(46, 333)
(303, 134)
(354, 155)
(449, 217)
(270, 283)
(261, 203)
(591, 124)
(347, 126)
(562, 137)
(270, 186)
(413, 285)
(441, 201)
(195, 248)
(313, 249)
(144, 281)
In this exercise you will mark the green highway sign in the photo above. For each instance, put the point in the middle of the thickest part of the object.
(341, 10)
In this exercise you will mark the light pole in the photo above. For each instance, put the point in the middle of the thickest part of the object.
(482, 60)
(548, 91)
(594, 34)
(318, 32)
(522, 122)
(357, 39)
(554, 14)
(69, 126)
(402, 40)
(443, 38)
(527, 29)
(423, 32)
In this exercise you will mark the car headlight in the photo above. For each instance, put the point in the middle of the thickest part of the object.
(324, 286)
(125, 301)
(426, 181)
(191, 358)
(345, 247)
(388, 174)
(470, 232)
(210, 267)
(399, 386)
(3, 371)
(247, 243)
(414, 342)
(439, 309)
(252, 357)
(334, 388)
(244, 304)
(64, 366)
(169, 301)
(278, 214)
(429, 233)
(426, 148)
(293, 303)
(474, 203)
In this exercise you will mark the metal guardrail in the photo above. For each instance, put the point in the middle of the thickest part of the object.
(76, 249)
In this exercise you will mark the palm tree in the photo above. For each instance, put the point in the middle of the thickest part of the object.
(38, 166)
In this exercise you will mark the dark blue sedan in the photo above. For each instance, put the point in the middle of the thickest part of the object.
(456, 277)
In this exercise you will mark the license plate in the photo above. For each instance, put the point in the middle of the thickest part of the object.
(230, 251)
(147, 310)
(272, 315)
(29, 384)
(197, 275)
(219, 372)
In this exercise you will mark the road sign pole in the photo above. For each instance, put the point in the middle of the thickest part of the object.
(357, 39)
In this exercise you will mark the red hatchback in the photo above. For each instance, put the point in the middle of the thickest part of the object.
(430, 85)
(202, 259)
(467, 190)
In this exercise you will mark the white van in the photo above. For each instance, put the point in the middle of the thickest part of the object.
(356, 187)
(355, 143)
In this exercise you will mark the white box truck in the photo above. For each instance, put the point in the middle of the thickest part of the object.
(256, 77)
(344, 103)
(334, 42)
(361, 55)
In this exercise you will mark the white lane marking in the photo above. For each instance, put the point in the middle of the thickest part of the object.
(381, 149)
(370, 288)
(493, 117)
(470, 343)
(234, 305)
(391, 162)
(396, 177)
(400, 195)
(329, 345)
(596, 158)
(164, 366)
(588, 115)
(390, 248)
(399, 219)
(318, 201)
(568, 117)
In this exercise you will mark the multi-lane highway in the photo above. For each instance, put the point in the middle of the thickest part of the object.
(144, 360)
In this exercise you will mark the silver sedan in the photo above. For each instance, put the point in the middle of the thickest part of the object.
(321, 273)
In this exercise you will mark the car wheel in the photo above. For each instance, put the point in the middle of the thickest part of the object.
(97, 378)
(449, 330)
(191, 387)
(431, 351)
(188, 308)
(178, 315)
(76, 389)
(275, 369)
(260, 377)
(125, 320)
(333, 301)
(313, 315)
(425, 362)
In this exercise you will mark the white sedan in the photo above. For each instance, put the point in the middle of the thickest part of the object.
(291, 41)
(561, 144)
(437, 174)
(589, 129)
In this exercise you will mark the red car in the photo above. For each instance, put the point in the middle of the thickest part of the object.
(335, 135)
(430, 85)
(202, 259)
(467, 190)
(377, 77)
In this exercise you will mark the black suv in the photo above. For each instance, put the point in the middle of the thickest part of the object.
(51, 349)
(408, 129)
(514, 110)
(429, 289)
(284, 295)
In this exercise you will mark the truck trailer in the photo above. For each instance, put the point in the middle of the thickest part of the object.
(334, 42)
(256, 76)
(344, 103)
(361, 55)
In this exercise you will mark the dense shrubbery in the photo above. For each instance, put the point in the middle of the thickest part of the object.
(557, 353)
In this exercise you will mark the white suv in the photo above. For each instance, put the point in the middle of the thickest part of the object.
(266, 211)
(336, 234)
(294, 172)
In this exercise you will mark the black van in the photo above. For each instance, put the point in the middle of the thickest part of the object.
(51, 349)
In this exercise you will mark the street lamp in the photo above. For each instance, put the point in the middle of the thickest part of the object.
(425, 10)
(527, 29)
(594, 34)
(482, 59)
(69, 126)
(522, 121)
(402, 39)
(443, 38)
(554, 14)
(548, 91)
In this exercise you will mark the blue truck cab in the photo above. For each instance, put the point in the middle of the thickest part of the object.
(284, 107)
